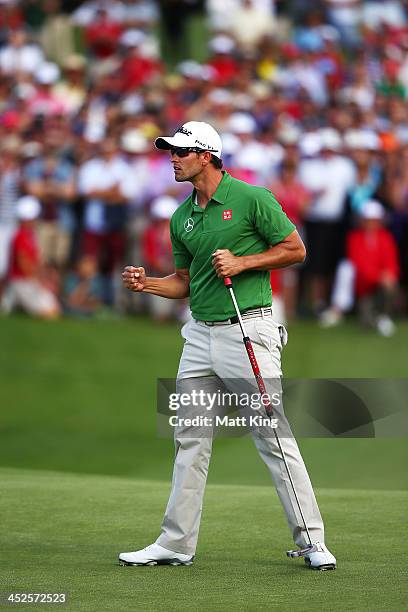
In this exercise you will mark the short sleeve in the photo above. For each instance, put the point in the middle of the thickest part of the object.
(182, 257)
(269, 219)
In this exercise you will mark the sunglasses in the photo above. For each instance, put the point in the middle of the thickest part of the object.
(185, 151)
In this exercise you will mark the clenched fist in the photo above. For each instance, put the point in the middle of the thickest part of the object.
(134, 278)
(226, 264)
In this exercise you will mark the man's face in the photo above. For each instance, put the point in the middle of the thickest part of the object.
(186, 164)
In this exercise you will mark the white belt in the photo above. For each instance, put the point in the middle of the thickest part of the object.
(249, 314)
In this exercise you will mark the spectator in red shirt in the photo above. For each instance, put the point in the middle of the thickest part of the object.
(225, 66)
(11, 17)
(291, 193)
(294, 199)
(27, 287)
(102, 35)
(373, 252)
(157, 254)
(137, 69)
(370, 273)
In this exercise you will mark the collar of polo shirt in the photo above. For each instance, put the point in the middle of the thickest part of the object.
(220, 194)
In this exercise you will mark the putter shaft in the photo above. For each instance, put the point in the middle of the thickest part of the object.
(269, 411)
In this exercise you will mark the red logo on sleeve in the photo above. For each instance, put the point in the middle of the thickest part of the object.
(227, 215)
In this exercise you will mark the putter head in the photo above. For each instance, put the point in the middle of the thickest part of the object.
(302, 552)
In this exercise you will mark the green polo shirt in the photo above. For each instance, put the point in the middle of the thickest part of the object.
(239, 217)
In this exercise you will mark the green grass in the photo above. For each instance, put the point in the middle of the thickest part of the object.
(80, 396)
(83, 476)
(64, 531)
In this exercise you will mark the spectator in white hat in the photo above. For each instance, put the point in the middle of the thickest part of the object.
(86, 13)
(328, 178)
(362, 146)
(222, 60)
(136, 186)
(221, 14)
(141, 14)
(138, 66)
(45, 101)
(377, 13)
(101, 181)
(28, 288)
(251, 155)
(20, 56)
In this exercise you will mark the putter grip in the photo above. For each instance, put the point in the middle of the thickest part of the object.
(227, 282)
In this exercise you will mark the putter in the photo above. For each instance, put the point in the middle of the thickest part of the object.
(269, 411)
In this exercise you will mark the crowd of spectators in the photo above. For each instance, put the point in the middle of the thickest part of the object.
(310, 98)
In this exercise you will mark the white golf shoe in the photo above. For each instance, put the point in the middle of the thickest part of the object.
(155, 555)
(321, 559)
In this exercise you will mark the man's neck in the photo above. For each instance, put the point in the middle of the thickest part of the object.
(206, 185)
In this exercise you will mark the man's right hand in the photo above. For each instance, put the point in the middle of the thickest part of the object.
(134, 278)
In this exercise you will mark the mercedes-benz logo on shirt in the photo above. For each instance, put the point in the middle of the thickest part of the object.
(188, 224)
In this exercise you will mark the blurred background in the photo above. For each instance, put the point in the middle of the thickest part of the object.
(310, 99)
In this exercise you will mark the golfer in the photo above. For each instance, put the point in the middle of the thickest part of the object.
(225, 228)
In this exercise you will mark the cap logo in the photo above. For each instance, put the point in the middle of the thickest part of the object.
(204, 145)
(188, 224)
(183, 130)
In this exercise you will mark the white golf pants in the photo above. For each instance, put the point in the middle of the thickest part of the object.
(213, 356)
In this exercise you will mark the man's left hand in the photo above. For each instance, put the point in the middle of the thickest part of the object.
(226, 264)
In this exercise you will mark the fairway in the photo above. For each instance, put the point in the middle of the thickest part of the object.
(63, 533)
(69, 401)
(84, 476)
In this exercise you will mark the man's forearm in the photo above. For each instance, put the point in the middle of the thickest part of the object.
(279, 256)
(173, 286)
(286, 253)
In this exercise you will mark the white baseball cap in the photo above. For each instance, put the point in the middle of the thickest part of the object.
(289, 134)
(190, 69)
(310, 144)
(47, 74)
(242, 123)
(28, 208)
(133, 141)
(220, 96)
(132, 104)
(132, 38)
(372, 210)
(231, 143)
(222, 44)
(330, 139)
(163, 207)
(193, 134)
(362, 139)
